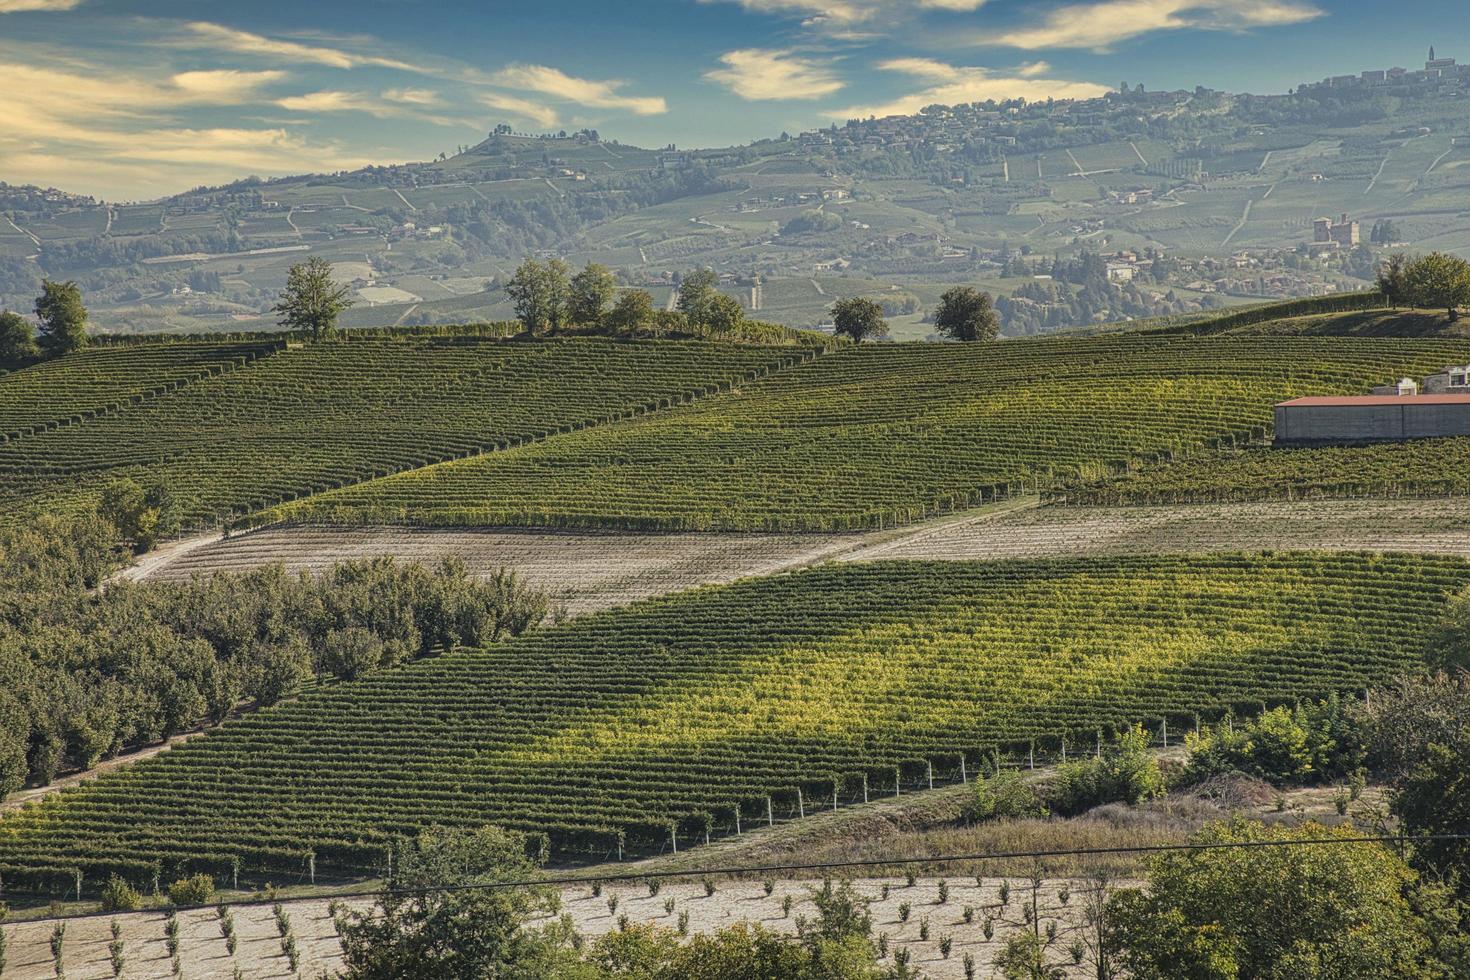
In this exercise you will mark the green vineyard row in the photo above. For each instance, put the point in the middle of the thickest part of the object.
(710, 710)
(885, 434)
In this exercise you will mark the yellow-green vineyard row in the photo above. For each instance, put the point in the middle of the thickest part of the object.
(709, 710)
(884, 434)
(1421, 468)
(326, 415)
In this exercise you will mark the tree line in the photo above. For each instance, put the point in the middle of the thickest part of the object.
(1433, 281)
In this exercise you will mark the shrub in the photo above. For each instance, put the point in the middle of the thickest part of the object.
(196, 890)
(1005, 796)
(1281, 746)
(1125, 773)
(119, 896)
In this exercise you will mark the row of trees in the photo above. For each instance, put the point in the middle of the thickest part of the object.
(1433, 281)
(964, 314)
(63, 326)
(548, 297)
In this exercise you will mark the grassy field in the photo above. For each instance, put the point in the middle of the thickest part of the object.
(888, 434)
(698, 712)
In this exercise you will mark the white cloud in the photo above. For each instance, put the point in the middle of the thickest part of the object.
(413, 96)
(760, 74)
(1101, 25)
(218, 37)
(22, 6)
(582, 91)
(842, 13)
(225, 85)
(385, 105)
(536, 112)
(956, 85)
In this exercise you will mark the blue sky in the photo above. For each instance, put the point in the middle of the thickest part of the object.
(130, 99)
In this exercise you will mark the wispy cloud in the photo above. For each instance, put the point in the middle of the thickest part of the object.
(558, 84)
(844, 13)
(525, 109)
(218, 37)
(385, 105)
(1100, 26)
(224, 86)
(954, 85)
(760, 74)
(21, 6)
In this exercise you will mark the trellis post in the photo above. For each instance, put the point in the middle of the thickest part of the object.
(674, 837)
(1064, 750)
(897, 781)
(737, 819)
(931, 773)
(865, 787)
(800, 804)
(770, 816)
(1031, 755)
(964, 776)
(1166, 732)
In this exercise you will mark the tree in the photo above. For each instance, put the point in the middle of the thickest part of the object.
(696, 291)
(17, 339)
(632, 311)
(1305, 911)
(63, 318)
(723, 314)
(859, 318)
(311, 300)
(1392, 279)
(592, 290)
(967, 314)
(142, 515)
(1439, 281)
(540, 291)
(457, 935)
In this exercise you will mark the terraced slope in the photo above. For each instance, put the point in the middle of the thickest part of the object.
(686, 711)
(104, 378)
(1420, 468)
(886, 434)
(330, 414)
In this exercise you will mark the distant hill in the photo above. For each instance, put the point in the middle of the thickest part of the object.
(1137, 205)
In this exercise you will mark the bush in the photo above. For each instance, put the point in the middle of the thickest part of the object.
(1005, 796)
(1283, 745)
(196, 890)
(119, 896)
(1125, 773)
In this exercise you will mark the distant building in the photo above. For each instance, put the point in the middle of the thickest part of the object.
(1451, 380)
(1374, 418)
(1336, 234)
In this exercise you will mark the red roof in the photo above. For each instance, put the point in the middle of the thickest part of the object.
(1375, 401)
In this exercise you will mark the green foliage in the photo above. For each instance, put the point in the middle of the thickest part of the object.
(142, 515)
(540, 291)
(1025, 958)
(63, 318)
(1005, 796)
(1282, 912)
(696, 292)
(632, 312)
(722, 315)
(815, 221)
(312, 301)
(1450, 645)
(1310, 743)
(966, 314)
(450, 935)
(1393, 278)
(1126, 772)
(17, 339)
(194, 890)
(590, 292)
(859, 318)
(119, 896)
(571, 731)
(1438, 281)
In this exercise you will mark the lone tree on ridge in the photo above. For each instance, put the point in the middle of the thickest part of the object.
(311, 300)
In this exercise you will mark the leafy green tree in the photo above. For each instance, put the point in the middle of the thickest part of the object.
(17, 339)
(723, 314)
(63, 318)
(696, 292)
(540, 291)
(1439, 281)
(1024, 958)
(466, 934)
(119, 896)
(194, 890)
(631, 313)
(1126, 772)
(312, 301)
(967, 314)
(1392, 280)
(1005, 796)
(859, 318)
(1306, 912)
(592, 290)
(15, 726)
(142, 515)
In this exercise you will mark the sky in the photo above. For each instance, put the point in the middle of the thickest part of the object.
(134, 99)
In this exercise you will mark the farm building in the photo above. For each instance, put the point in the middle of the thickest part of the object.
(1371, 418)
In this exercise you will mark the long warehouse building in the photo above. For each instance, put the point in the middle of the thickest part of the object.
(1371, 418)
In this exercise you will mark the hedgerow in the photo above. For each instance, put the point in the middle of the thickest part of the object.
(714, 710)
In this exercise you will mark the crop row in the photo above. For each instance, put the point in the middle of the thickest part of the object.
(326, 415)
(708, 711)
(100, 380)
(884, 434)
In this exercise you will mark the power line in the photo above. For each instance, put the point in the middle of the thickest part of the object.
(646, 876)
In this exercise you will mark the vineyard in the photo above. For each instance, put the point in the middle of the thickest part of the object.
(1419, 468)
(888, 434)
(321, 416)
(661, 723)
(100, 380)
